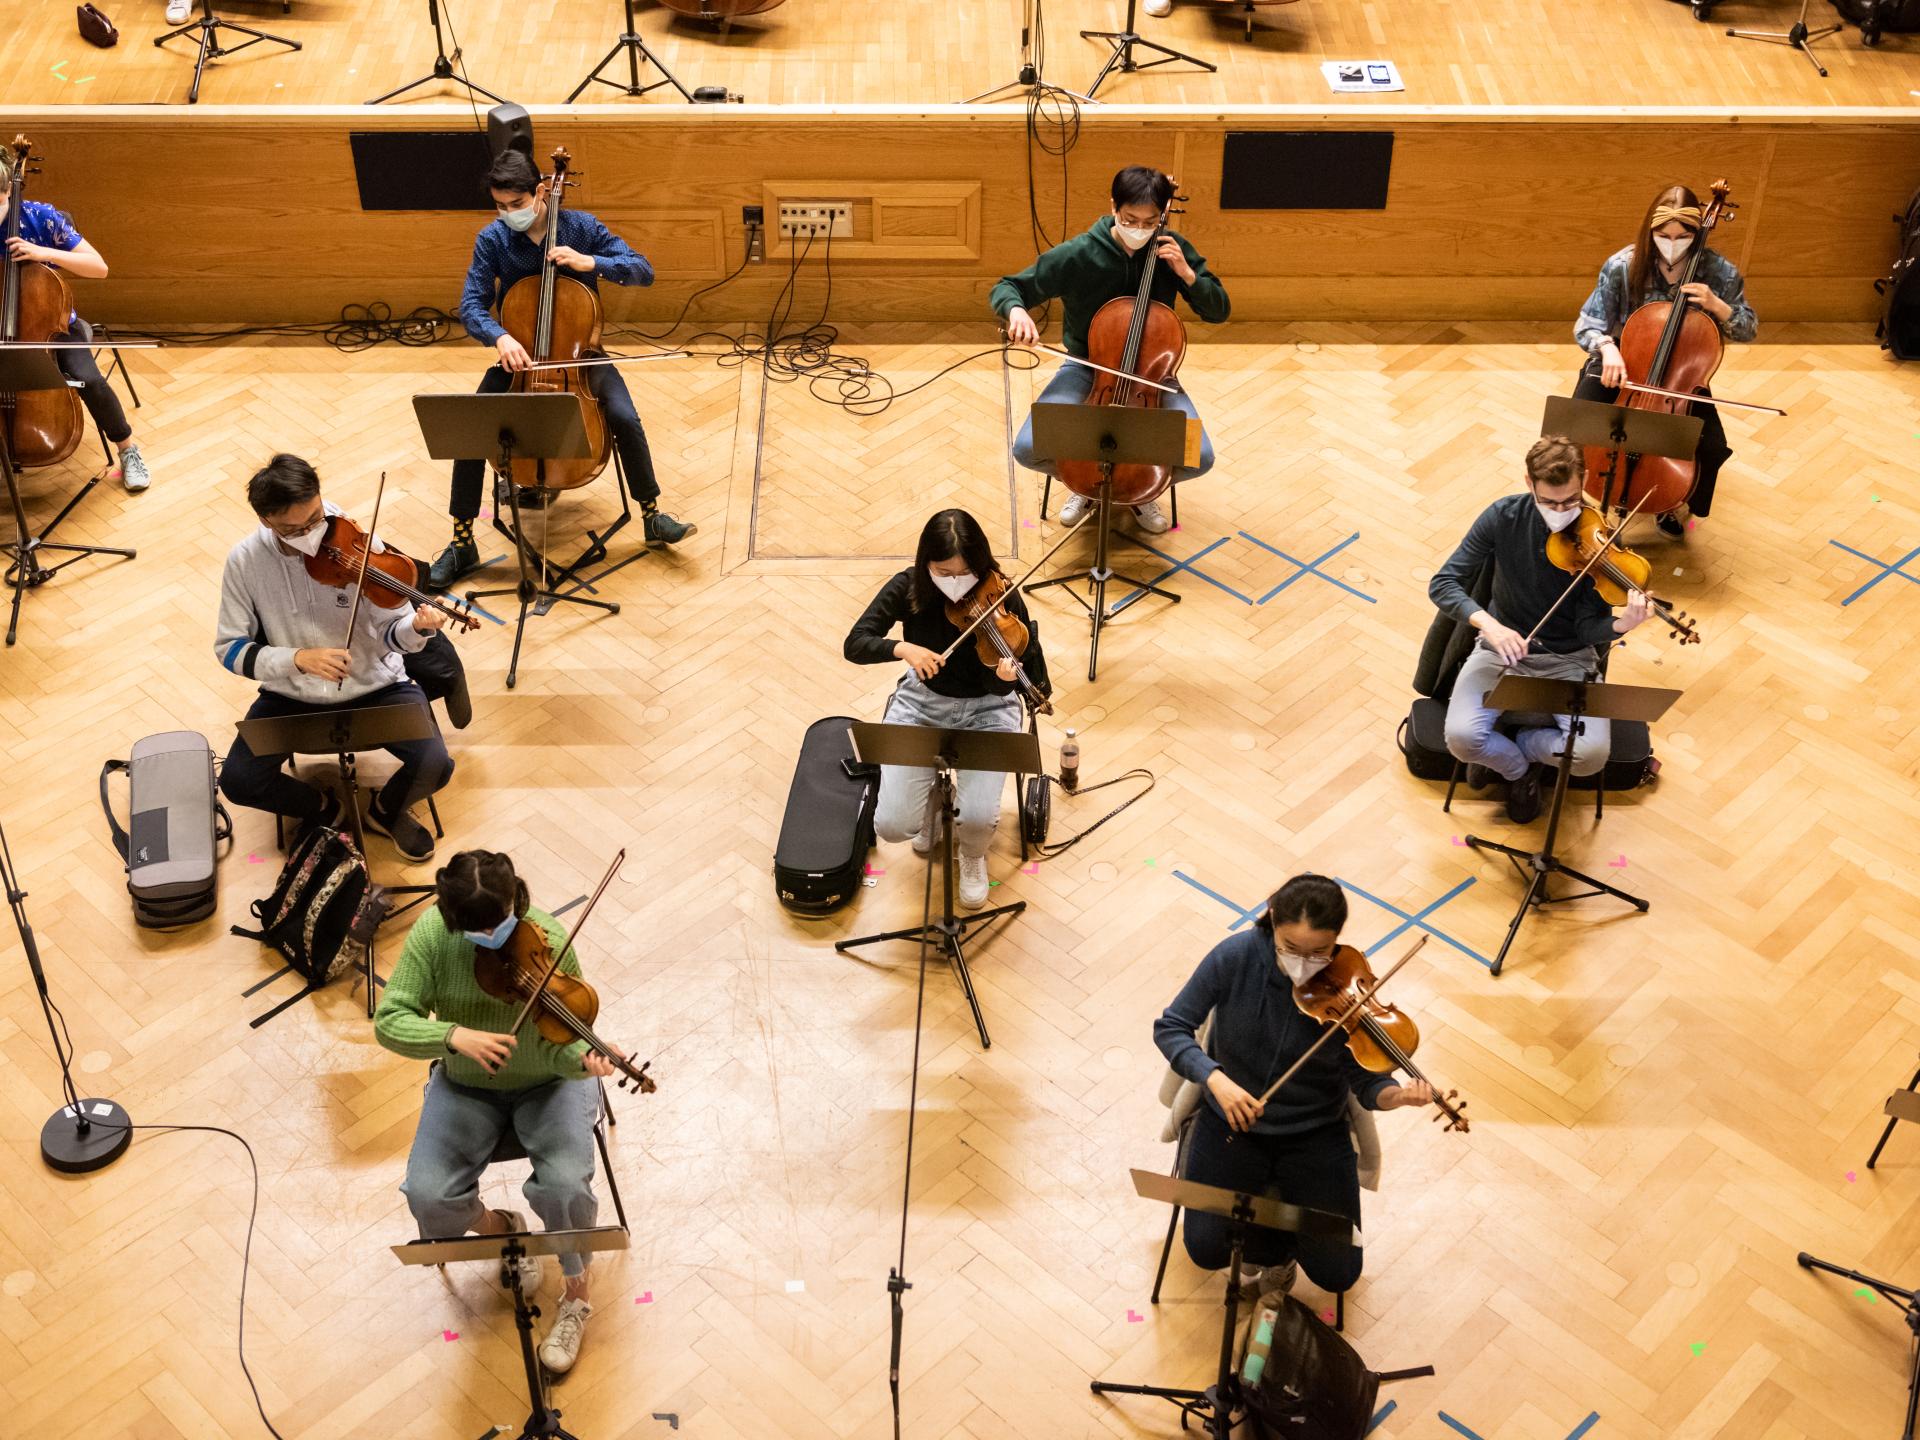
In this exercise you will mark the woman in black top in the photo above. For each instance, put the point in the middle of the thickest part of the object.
(960, 693)
(1296, 1146)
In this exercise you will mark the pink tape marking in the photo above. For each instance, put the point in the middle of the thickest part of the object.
(449, 1335)
(1133, 1316)
(646, 1299)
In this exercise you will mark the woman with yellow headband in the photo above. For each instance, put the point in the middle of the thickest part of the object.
(1649, 270)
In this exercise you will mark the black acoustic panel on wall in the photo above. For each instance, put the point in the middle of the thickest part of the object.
(421, 169)
(1306, 170)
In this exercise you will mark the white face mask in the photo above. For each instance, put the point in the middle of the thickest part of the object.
(1557, 520)
(1133, 236)
(1301, 968)
(306, 544)
(1672, 250)
(954, 587)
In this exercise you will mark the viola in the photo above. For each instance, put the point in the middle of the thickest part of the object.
(557, 319)
(1673, 345)
(1141, 338)
(41, 427)
(1588, 547)
(387, 577)
(998, 633)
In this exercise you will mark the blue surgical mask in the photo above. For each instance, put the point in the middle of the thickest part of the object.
(521, 219)
(493, 939)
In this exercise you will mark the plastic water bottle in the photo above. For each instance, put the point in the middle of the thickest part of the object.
(1070, 763)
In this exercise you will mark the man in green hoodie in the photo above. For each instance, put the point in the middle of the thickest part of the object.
(1084, 273)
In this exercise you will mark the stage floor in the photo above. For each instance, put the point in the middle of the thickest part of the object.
(1495, 52)
(1666, 1108)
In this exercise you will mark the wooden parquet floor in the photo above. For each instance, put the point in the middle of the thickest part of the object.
(1667, 1107)
(842, 52)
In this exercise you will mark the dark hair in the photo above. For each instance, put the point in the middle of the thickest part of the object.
(1640, 267)
(1310, 899)
(1141, 185)
(1555, 460)
(947, 534)
(6, 171)
(282, 483)
(513, 172)
(477, 889)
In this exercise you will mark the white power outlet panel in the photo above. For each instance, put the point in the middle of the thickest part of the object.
(818, 218)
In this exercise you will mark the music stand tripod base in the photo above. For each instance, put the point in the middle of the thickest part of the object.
(635, 49)
(206, 33)
(1124, 42)
(443, 68)
(1909, 1303)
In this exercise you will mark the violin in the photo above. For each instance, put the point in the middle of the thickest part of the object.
(1672, 345)
(41, 427)
(1002, 636)
(526, 972)
(386, 576)
(1587, 547)
(557, 319)
(1141, 338)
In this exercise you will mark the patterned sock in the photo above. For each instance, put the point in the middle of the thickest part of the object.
(463, 532)
(649, 507)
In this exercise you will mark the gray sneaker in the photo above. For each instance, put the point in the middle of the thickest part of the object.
(133, 470)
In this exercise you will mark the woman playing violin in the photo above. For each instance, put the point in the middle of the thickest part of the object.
(1649, 270)
(1296, 1147)
(280, 626)
(485, 1081)
(958, 693)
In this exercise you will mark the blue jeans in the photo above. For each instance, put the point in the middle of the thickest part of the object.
(1070, 385)
(902, 807)
(1472, 738)
(459, 1128)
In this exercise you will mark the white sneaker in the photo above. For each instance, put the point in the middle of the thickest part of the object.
(973, 881)
(1076, 506)
(1158, 7)
(133, 470)
(1152, 518)
(527, 1265)
(562, 1345)
(177, 11)
(929, 835)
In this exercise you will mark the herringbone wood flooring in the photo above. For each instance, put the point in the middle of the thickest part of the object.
(1666, 1107)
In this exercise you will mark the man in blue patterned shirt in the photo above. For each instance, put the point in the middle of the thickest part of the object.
(507, 250)
(47, 235)
(1649, 270)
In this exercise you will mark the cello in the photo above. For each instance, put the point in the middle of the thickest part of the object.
(1669, 345)
(1131, 340)
(558, 320)
(42, 427)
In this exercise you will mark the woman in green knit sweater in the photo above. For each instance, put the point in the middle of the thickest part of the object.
(485, 1080)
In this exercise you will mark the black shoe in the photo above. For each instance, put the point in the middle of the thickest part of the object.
(1673, 524)
(663, 529)
(453, 562)
(1479, 777)
(1523, 798)
(412, 839)
(532, 497)
(327, 815)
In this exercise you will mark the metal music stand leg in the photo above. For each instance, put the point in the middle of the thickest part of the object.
(206, 34)
(1909, 1305)
(350, 802)
(635, 49)
(1799, 37)
(543, 1421)
(1541, 863)
(1887, 1134)
(1124, 42)
(949, 931)
(1101, 573)
(443, 68)
(26, 572)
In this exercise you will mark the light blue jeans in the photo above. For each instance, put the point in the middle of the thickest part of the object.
(459, 1128)
(902, 808)
(1472, 738)
(1070, 385)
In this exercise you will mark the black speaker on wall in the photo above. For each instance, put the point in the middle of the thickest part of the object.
(421, 169)
(1306, 169)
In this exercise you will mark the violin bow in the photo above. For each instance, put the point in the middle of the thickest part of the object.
(1105, 370)
(1338, 1025)
(1598, 556)
(608, 360)
(360, 580)
(566, 948)
(1713, 400)
(1051, 551)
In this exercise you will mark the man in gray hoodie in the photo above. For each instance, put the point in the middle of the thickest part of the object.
(281, 627)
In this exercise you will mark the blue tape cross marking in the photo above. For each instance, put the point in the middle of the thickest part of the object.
(1245, 916)
(1448, 1420)
(1385, 1410)
(1187, 565)
(1308, 567)
(1411, 921)
(1582, 1428)
(1884, 568)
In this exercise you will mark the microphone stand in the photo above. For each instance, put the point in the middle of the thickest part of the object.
(897, 1283)
(83, 1135)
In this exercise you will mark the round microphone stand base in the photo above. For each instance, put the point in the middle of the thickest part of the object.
(93, 1142)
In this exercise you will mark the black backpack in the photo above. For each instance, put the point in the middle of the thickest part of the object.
(828, 828)
(1300, 1380)
(1899, 328)
(323, 905)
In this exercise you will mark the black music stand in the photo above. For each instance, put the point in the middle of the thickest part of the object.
(635, 49)
(1107, 435)
(1577, 700)
(1627, 433)
(1124, 42)
(923, 747)
(342, 733)
(443, 67)
(29, 367)
(1909, 1305)
(1901, 1105)
(1214, 1406)
(543, 1421)
(206, 34)
(503, 428)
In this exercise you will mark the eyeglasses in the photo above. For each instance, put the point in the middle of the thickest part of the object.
(1574, 504)
(1320, 955)
(294, 532)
